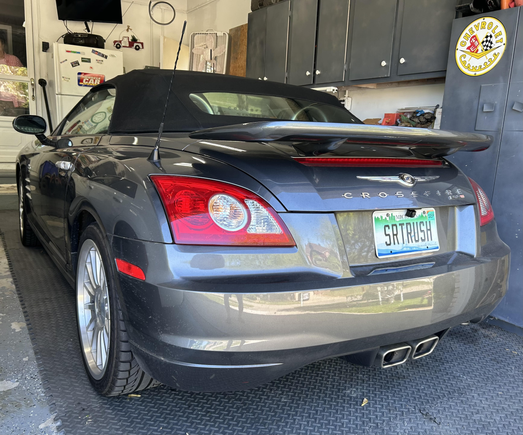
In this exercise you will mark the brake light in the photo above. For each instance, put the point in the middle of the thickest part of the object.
(366, 162)
(486, 213)
(208, 212)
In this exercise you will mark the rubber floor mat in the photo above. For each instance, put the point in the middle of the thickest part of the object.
(473, 383)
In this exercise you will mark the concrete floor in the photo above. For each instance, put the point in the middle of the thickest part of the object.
(23, 402)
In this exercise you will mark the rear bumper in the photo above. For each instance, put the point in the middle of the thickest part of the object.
(208, 371)
(228, 335)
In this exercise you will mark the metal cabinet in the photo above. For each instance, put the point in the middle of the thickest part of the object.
(302, 39)
(372, 27)
(395, 40)
(256, 43)
(317, 41)
(267, 35)
(425, 36)
(492, 103)
(331, 39)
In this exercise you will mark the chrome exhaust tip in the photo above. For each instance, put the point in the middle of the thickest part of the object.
(424, 347)
(394, 355)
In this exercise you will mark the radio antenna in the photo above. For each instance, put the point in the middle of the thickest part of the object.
(155, 154)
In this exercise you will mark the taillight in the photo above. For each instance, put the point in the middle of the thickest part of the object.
(486, 213)
(208, 212)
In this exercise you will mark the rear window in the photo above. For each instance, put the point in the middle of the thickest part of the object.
(270, 107)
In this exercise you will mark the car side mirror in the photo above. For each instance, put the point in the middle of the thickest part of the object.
(32, 124)
(29, 124)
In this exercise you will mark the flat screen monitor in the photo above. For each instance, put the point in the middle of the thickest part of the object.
(99, 11)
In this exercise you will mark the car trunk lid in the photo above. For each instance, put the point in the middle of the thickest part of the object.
(320, 188)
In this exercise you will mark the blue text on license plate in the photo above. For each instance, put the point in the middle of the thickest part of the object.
(396, 234)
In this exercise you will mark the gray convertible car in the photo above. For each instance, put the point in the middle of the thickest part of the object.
(268, 229)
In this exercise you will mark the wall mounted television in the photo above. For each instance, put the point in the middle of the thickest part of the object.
(98, 11)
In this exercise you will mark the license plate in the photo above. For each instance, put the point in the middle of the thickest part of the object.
(397, 234)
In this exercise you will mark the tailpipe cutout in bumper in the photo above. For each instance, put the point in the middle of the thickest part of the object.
(424, 347)
(390, 356)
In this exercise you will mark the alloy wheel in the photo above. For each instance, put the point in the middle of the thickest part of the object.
(94, 314)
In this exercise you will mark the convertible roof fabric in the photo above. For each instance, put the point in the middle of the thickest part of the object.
(141, 95)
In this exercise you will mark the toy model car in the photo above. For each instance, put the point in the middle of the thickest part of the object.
(271, 229)
(127, 42)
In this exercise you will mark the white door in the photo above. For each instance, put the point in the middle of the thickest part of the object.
(17, 80)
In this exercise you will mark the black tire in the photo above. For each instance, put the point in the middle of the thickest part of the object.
(118, 45)
(137, 47)
(27, 235)
(120, 373)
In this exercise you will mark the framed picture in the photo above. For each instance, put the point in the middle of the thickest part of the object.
(7, 32)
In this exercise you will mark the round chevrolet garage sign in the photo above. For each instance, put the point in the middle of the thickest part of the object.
(480, 47)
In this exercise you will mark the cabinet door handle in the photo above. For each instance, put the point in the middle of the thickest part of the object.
(307, 73)
(265, 78)
(402, 60)
(489, 107)
(383, 63)
(518, 107)
(318, 72)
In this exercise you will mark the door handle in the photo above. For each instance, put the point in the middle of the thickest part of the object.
(489, 107)
(518, 107)
(33, 89)
(64, 165)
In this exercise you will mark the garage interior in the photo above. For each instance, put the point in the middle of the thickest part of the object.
(390, 62)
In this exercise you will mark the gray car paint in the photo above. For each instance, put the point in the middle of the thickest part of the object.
(292, 299)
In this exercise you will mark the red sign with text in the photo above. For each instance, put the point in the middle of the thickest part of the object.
(90, 79)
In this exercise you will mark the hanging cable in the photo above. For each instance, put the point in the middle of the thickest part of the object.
(67, 28)
(151, 8)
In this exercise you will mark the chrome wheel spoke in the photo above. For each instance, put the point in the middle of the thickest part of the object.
(103, 347)
(99, 347)
(90, 272)
(90, 325)
(103, 283)
(93, 340)
(89, 288)
(98, 268)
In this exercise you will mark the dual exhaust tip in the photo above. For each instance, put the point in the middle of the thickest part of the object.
(395, 355)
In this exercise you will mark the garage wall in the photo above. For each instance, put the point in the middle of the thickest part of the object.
(373, 103)
(48, 28)
(220, 15)
(201, 15)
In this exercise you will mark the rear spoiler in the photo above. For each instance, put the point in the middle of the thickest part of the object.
(419, 141)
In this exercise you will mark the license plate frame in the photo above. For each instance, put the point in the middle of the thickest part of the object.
(390, 226)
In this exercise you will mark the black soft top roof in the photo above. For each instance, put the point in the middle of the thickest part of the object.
(141, 95)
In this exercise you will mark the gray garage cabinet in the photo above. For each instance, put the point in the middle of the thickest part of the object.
(492, 103)
(311, 42)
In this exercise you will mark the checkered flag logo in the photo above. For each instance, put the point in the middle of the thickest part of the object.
(488, 42)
